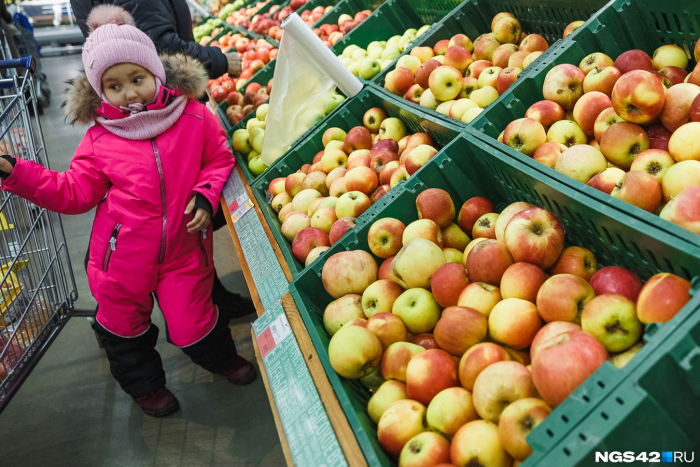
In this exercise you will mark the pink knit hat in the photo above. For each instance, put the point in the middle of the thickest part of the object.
(114, 39)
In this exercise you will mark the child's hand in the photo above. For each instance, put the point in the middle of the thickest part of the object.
(201, 218)
(5, 166)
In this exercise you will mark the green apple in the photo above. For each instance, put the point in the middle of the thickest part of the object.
(257, 142)
(612, 320)
(409, 62)
(392, 128)
(349, 50)
(310, 117)
(355, 352)
(391, 52)
(385, 63)
(428, 100)
(374, 381)
(393, 40)
(335, 101)
(416, 262)
(411, 32)
(256, 166)
(369, 68)
(354, 68)
(346, 61)
(388, 393)
(241, 141)
(374, 44)
(417, 309)
(422, 30)
(375, 51)
(254, 123)
(359, 54)
(261, 112)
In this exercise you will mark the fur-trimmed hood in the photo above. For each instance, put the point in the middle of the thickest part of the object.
(182, 72)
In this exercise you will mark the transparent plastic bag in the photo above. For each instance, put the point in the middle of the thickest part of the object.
(306, 75)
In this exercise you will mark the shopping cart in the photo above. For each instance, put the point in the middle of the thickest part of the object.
(27, 47)
(38, 290)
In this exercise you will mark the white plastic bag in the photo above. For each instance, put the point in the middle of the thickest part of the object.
(305, 79)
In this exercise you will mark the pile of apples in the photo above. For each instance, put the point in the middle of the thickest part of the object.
(240, 105)
(447, 78)
(311, 16)
(367, 63)
(241, 16)
(319, 203)
(332, 33)
(254, 53)
(249, 141)
(206, 29)
(629, 128)
(466, 353)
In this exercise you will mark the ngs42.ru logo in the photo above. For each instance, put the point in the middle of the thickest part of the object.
(629, 457)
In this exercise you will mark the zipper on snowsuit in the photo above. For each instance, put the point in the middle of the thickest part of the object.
(164, 205)
(112, 246)
(200, 238)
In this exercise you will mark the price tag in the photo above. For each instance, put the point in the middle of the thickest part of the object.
(275, 333)
(244, 205)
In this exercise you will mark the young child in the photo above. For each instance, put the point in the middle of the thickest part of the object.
(154, 164)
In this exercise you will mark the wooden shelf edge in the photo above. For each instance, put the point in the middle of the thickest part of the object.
(343, 431)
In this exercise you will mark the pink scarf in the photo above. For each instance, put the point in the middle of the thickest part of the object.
(139, 122)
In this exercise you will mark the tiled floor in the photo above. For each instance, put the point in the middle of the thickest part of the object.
(70, 412)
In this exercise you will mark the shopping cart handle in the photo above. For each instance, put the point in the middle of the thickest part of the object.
(25, 62)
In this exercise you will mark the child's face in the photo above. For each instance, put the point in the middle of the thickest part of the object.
(127, 83)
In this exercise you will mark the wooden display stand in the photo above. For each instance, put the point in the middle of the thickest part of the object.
(348, 443)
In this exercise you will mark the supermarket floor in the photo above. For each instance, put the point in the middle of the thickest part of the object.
(70, 412)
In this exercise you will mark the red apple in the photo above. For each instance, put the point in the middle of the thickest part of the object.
(563, 84)
(339, 228)
(564, 362)
(485, 226)
(476, 359)
(546, 112)
(514, 322)
(638, 97)
(606, 180)
(534, 236)
(459, 328)
(428, 373)
(522, 280)
(425, 340)
(425, 449)
(396, 358)
(616, 280)
(662, 297)
(576, 260)
(447, 283)
(549, 331)
(471, 211)
(385, 237)
(488, 261)
(633, 60)
(499, 385)
(436, 204)
(639, 189)
(562, 298)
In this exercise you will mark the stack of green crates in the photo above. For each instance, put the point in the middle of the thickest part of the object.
(469, 167)
(622, 25)
(473, 18)
(347, 116)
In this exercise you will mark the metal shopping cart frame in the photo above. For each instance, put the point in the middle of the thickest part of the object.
(38, 289)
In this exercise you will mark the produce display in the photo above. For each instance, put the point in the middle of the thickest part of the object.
(367, 63)
(319, 203)
(628, 127)
(255, 53)
(206, 29)
(475, 325)
(240, 105)
(332, 33)
(266, 24)
(311, 16)
(248, 141)
(459, 78)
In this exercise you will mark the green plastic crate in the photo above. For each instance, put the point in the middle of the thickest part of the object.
(642, 24)
(393, 18)
(468, 167)
(347, 117)
(527, 90)
(654, 408)
(473, 18)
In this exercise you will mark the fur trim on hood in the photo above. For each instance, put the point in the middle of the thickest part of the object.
(182, 72)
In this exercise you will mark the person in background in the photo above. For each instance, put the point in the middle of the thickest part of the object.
(169, 25)
(153, 163)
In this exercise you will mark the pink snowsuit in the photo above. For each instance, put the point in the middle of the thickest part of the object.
(140, 242)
